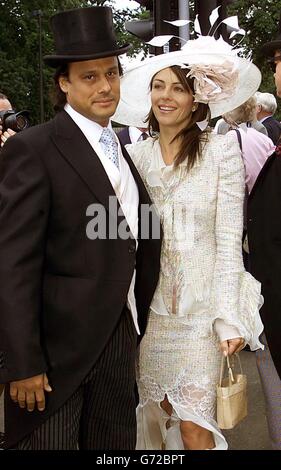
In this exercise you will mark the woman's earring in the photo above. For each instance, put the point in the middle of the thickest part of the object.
(194, 109)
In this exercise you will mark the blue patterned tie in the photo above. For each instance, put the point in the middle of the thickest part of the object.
(110, 145)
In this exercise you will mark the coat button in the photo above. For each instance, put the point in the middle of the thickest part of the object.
(132, 249)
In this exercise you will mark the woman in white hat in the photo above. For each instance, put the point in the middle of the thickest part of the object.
(205, 302)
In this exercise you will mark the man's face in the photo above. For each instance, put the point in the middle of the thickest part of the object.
(93, 88)
(277, 74)
(5, 105)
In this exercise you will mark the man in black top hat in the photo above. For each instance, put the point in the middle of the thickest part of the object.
(264, 234)
(76, 277)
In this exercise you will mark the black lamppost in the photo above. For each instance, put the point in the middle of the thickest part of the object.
(205, 7)
(38, 15)
(156, 26)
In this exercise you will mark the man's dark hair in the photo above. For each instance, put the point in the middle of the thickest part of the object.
(58, 97)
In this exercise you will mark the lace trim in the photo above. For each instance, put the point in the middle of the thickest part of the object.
(248, 321)
(198, 397)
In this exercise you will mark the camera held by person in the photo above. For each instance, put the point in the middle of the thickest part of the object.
(16, 121)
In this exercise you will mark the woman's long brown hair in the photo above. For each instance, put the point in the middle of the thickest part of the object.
(191, 136)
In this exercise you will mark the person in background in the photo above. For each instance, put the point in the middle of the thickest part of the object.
(5, 105)
(222, 127)
(266, 107)
(256, 147)
(264, 237)
(131, 134)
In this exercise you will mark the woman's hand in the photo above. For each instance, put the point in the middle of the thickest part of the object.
(231, 346)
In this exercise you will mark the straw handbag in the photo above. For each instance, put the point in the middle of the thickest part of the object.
(231, 396)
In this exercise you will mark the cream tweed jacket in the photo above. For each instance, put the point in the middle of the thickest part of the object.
(202, 270)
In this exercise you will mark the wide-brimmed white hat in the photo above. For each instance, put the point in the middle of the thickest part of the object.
(223, 79)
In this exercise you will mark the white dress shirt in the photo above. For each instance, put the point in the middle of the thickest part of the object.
(122, 181)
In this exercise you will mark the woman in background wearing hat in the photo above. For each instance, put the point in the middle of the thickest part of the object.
(205, 302)
(264, 235)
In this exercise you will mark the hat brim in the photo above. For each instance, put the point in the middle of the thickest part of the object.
(269, 48)
(135, 102)
(57, 60)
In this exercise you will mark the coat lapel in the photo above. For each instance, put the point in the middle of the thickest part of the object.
(74, 147)
(143, 194)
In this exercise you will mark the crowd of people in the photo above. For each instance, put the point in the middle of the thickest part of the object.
(121, 258)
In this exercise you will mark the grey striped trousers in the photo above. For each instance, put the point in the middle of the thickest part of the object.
(101, 414)
(271, 385)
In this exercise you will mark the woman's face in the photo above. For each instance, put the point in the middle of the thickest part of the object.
(171, 102)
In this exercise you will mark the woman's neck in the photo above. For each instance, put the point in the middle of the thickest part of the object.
(169, 149)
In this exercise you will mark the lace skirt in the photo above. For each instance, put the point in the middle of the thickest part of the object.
(180, 361)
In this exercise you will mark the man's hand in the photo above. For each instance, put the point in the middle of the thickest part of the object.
(5, 135)
(231, 346)
(30, 392)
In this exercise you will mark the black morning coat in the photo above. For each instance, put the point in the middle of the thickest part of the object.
(61, 294)
(264, 235)
(273, 128)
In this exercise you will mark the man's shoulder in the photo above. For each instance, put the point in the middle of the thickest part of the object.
(124, 131)
(40, 135)
(271, 121)
(33, 142)
(37, 131)
(124, 136)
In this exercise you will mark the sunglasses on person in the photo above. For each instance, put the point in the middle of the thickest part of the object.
(273, 62)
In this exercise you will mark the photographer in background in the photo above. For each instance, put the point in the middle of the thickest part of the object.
(5, 105)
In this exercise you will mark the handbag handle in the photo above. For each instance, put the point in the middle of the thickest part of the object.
(230, 372)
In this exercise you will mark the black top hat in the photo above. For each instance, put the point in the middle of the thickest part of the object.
(83, 34)
(269, 48)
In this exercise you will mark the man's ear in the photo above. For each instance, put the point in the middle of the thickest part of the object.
(63, 83)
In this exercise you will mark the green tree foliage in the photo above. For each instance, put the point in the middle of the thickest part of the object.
(19, 42)
(19, 48)
(260, 20)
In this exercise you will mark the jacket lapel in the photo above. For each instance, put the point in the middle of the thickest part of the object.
(74, 147)
(143, 197)
(143, 194)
